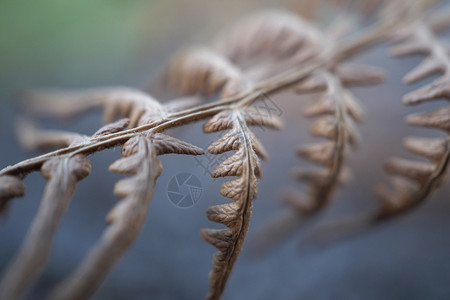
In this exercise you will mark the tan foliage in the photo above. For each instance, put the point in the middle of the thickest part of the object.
(261, 55)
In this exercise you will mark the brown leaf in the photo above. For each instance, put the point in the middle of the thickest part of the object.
(224, 214)
(324, 105)
(409, 47)
(125, 102)
(162, 144)
(219, 238)
(315, 176)
(327, 127)
(439, 119)
(419, 171)
(256, 117)
(358, 74)
(219, 122)
(115, 127)
(428, 67)
(32, 138)
(353, 107)
(125, 221)
(10, 187)
(311, 84)
(322, 153)
(244, 163)
(229, 141)
(62, 173)
(232, 166)
(269, 34)
(397, 199)
(433, 149)
(438, 89)
(165, 144)
(200, 70)
(300, 203)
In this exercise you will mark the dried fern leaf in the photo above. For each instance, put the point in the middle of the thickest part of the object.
(321, 153)
(267, 34)
(435, 90)
(415, 170)
(31, 138)
(106, 137)
(10, 187)
(259, 42)
(416, 180)
(335, 110)
(115, 101)
(438, 119)
(202, 71)
(350, 74)
(312, 175)
(111, 128)
(431, 148)
(286, 41)
(409, 47)
(412, 182)
(254, 117)
(128, 216)
(428, 67)
(244, 164)
(62, 175)
(181, 103)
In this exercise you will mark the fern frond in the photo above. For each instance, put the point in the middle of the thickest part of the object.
(62, 175)
(31, 138)
(244, 164)
(200, 70)
(127, 217)
(260, 43)
(349, 74)
(125, 102)
(336, 111)
(411, 181)
(267, 34)
(265, 54)
(414, 181)
(10, 187)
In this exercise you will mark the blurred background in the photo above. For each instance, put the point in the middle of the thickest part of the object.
(74, 44)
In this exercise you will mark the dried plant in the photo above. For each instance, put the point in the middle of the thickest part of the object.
(244, 163)
(411, 181)
(414, 181)
(261, 55)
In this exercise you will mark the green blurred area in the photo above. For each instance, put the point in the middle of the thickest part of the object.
(86, 43)
(49, 31)
(58, 41)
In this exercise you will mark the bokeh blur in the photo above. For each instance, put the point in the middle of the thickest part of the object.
(74, 44)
